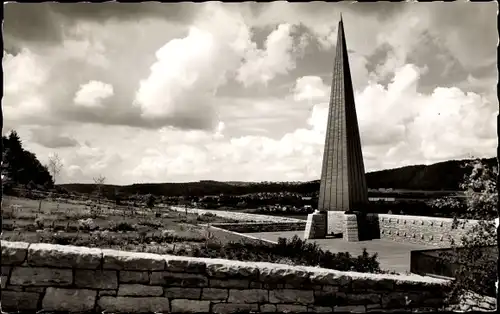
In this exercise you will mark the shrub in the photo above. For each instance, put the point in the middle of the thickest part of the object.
(122, 226)
(150, 201)
(476, 264)
(39, 223)
(291, 252)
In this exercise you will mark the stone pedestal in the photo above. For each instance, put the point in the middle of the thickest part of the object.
(351, 232)
(335, 222)
(316, 226)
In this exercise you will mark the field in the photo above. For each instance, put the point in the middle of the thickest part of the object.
(158, 230)
(104, 225)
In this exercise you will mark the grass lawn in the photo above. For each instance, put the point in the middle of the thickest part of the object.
(71, 222)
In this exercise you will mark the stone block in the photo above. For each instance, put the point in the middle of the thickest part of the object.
(64, 256)
(351, 233)
(373, 285)
(232, 271)
(40, 276)
(13, 301)
(284, 275)
(134, 276)
(324, 298)
(14, 288)
(324, 278)
(133, 304)
(363, 298)
(227, 308)
(71, 300)
(248, 296)
(178, 279)
(291, 308)
(272, 286)
(5, 270)
(96, 279)
(320, 309)
(230, 283)
(267, 308)
(316, 226)
(185, 265)
(395, 300)
(35, 289)
(214, 294)
(373, 306)
(107, 293)
(335, 222)
(350, 309)
(3, 281)
(138, 290)
(190, 306)
(256, 285)
(291, 296)
(14, 253)
(328, 288)
(182, 293)
(120, 260)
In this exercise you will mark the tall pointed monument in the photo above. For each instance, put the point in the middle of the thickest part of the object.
(343, 182)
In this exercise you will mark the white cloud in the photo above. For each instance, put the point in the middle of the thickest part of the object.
(310, 88)
(398, 127)
(93, 93)
(262, 65)
(22, 72)
(241, 136)
(188, 71)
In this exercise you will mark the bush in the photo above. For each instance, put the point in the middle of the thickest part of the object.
(122, 226)
(150, 201)
(476, 265)
(294, 251)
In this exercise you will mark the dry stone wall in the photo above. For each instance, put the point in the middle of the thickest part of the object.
(77, 279)
(249, 227)
(418, 229)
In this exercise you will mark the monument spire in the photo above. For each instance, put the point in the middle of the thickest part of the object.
(343, 183)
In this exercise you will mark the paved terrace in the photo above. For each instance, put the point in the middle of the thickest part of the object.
(392, 256)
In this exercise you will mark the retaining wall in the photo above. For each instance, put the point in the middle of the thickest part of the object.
(237, 215)
(249, 227)
(417, 229)
(67, 278)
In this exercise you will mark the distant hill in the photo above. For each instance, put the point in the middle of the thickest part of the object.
(443, 176)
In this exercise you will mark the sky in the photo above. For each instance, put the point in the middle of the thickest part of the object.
(154, 92)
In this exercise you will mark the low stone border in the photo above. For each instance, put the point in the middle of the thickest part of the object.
(77, 279)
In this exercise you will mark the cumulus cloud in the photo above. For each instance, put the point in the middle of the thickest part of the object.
(51, 138)
(192, 118)
(262, 65)
(398, 125)
(93, 93)
(188, 71)
(310, 88)
(22, 72)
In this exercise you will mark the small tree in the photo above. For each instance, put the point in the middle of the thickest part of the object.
(474, 255)
(99, 182)
(150, 201)
(55, 166)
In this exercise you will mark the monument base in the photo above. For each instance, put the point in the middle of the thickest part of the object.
(351, 231)
(335, 222)
(316, 226)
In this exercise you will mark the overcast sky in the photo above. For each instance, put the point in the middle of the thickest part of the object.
(156, 92)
